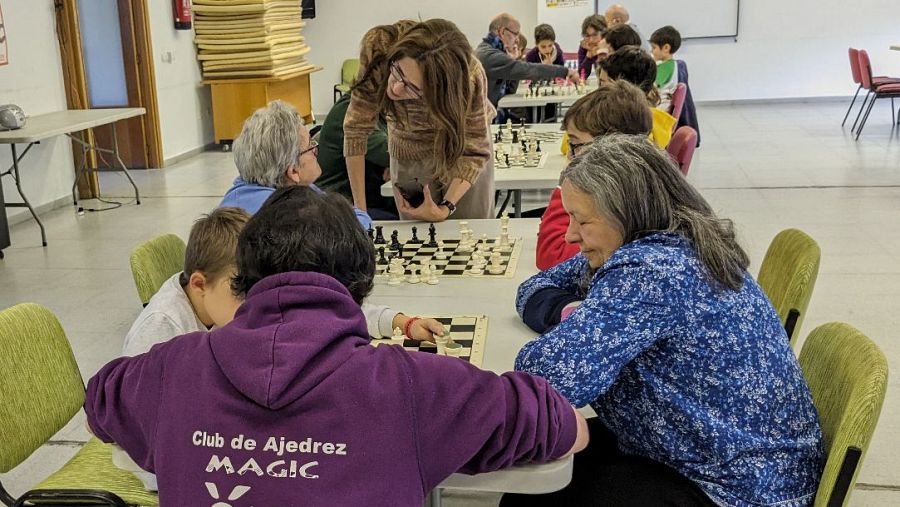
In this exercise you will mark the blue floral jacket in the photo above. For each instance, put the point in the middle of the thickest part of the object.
(684, 372)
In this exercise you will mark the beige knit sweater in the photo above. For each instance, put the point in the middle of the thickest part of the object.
(415, 141)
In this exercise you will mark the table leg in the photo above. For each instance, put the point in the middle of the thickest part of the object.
(434, 498)
(82, 166)
(18, 179)
(517, 202)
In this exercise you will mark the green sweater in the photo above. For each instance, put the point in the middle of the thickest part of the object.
(331, 154)
(665, 71)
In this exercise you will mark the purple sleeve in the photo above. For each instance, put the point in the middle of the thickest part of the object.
(560, 57)
(473, 421)
(533, 56)
(122, 402)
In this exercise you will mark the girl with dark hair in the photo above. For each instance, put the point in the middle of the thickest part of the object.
(698, 395)
(433, 93)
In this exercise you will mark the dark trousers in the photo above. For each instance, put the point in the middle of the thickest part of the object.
(603, 476)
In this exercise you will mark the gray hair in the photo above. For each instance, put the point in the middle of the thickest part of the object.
(269, 144)
(640, 190)
(502, 20)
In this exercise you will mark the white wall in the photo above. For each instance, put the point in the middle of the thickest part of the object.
(185, 111)
(785, 49)
(335, 33)
(33, 80)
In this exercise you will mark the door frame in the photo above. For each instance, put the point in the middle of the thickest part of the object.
(137, 49)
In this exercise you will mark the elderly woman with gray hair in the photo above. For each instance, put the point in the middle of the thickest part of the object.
(273, 150)
(698, 395)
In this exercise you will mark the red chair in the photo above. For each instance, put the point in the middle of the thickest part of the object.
(857, 78)
(889, 89)
(678, 102)
(682, 147)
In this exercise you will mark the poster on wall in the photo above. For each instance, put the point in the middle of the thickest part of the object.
(4, 57)
(566, 3)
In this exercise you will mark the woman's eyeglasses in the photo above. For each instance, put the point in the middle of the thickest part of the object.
(313, 147)
(574, 148)
(397, 73)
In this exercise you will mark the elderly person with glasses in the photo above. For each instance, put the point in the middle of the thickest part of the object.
(274, 150)
(499, 54)
(698, 395)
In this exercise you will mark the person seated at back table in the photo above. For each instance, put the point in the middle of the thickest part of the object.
(636, 66)
(334, 176)
(274, 150)
(698, 394)
(289, 400)
(614, 107)
(545, 49)
(590, 48)
(618, 37)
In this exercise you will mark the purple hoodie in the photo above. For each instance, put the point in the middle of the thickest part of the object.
(290, 405)
(534, 55)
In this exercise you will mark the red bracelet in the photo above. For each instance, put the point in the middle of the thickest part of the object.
(407, 326)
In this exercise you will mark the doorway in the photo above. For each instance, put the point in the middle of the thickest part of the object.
(107, 60)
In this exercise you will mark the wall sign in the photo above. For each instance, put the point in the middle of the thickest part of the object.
(566, 3)
(4, 56)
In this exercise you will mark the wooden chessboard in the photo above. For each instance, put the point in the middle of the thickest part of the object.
(470, 331)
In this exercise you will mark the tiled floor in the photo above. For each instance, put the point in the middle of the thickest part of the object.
(768, 167)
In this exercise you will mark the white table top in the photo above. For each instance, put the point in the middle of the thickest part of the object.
(494, 297)
(47, 125)
(524, 178)
(519, 99)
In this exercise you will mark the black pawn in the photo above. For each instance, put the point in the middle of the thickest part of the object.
(371, 234)
(522, 122)
(432, 240)
(379, 235)
(395, 242)
(506, 158)
(515, 138)
(381, 258)
(499, 137)
(538, 149)
(415, 238)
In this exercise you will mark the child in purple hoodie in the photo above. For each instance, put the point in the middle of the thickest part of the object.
(290, 405)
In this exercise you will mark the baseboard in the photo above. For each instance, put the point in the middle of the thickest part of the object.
(25, 215)
(780, 100)
(190, 153)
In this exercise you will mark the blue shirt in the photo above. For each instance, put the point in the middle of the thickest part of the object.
(696, 377)
(251, 196)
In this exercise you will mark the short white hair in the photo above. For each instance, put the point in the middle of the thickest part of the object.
(269, 144)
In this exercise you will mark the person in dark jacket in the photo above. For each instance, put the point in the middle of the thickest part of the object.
(499, 55)
(289, 404)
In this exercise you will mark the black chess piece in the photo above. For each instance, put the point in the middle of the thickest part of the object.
(381, 258)
(522, 122)
(524, 146)
(379, 235)
(506, 158)
(515, 138)
(395, 241)
(499, 138)
(538, 149)
(415, 238)
(371, 234)
(432, 240)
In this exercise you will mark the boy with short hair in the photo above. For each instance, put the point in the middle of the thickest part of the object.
(545, 49)
(664, 43)
(199, 297)
(289, 404)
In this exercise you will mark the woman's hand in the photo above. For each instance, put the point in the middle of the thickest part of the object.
(428, 211)
(425, 330)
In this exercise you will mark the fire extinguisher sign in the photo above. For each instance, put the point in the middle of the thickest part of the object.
(182, 10)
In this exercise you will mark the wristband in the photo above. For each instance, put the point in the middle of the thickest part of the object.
(409, 324)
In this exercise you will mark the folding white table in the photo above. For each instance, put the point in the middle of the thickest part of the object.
(516, 179)
(495, 298)
(68, 123)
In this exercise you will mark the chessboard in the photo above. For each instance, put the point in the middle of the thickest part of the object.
(469, 331)
(457, 264)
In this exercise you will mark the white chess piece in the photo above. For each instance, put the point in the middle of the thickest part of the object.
(433, 276)
(414, 274)
(496, 263)
(425, 273)
(398, 334)
(439, 253)
(395, 272)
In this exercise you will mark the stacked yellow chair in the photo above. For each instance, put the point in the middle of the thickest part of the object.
(40, 391)
(847, 374)
(788, 275)
(154, 262)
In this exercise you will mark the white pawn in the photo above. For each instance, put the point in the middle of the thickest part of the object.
(496, 263)
(425, 272)
(398, 334)
(414, 274)
(439, 253)
(433, 276)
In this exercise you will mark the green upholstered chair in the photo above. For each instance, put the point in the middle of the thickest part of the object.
(349, 71)
(154, 262)
(847, 374)
(788, 274)
(40, 391)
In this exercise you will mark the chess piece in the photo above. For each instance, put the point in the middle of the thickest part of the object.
(440, 254)
(504, 219)
(504, 239)
(414, 274)
(538, 150)
(506, 159)
(371, 234)
(509, 124)
(432, 232)
(515, 137)
(381, 259)
(395, 273)
(398, 334)
(415, 238)
(433, 276)
(453, 349)
(395, 241)
(379, 235)
(441, 342)
(496, 263)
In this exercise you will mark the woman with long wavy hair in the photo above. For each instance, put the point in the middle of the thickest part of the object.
(433, 93)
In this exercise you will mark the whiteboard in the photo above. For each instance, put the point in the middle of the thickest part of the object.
(692, 18)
